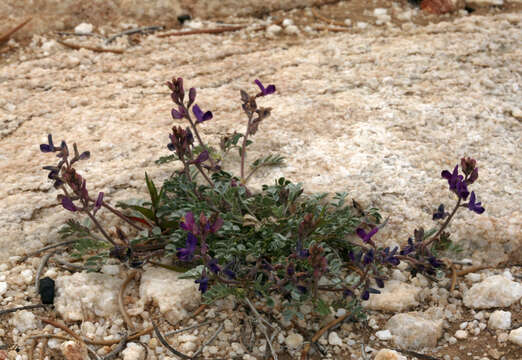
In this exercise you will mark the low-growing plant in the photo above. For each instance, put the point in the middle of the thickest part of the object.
(279, 242)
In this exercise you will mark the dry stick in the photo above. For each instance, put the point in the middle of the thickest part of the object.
(26, 307)
(44, 261)
(209, 341)
(123, 312)
(321, 27)
(5, 37)
(325, 19)
(417, 355)
(116, 341)
(204, 31)
(68, 265)
(474, 269)
(320, 333)
(118, 349)
(92, 48)
(166, 344)
(453, 278)
(195, 326)
(36, 252)
(70, 332)
(141, 30)
(262, 327)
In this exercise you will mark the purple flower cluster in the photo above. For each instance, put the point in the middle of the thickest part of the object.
(459, 185)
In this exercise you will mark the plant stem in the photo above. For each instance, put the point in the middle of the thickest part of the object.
(100, 228)
(198, 166)
(445, 223)
(243, 148)
(193, 126)
(120, 215)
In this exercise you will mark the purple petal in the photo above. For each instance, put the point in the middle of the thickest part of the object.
(192, 95)
(68, 204)
(191, 242)
(176, 114)
(188, 222)
(207, 116)
(99, 201)
(373, 232)
(197, 113)
(270, 89)
(46, 148)
(261, 87)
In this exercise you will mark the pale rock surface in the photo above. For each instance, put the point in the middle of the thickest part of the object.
(396, 296)
(334, 339)
(87, 293)
(384, 335)
(294, 340)
(500, 320)
(387, 354)
(133, 351)
(494, 291)
(83, 28)
(24, 320)
(175, 297)
(461, 334)
(415, 330)
(3, 287)
(515, 336)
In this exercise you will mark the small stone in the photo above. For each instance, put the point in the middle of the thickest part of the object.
(334, 339)
(461, 334)
(415, 330)
(273, 30)
(396, 296)
(110, 269)
(24, 320)
(515, 336)
(348, 22)
(3, 288)
(83, 28)
(495, 291)
(380, 12)
(133, 351)
(72, 350)
(473, 277)
(362, 25)
(387, 354)
(502, 337)
(292, 30)
(384, 335)
(288, 22)
(500, 320)
(463, 325)
(294, 340)
(27, 275)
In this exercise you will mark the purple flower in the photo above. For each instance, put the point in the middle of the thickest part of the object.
(368, 257)
(379, 282)
(189, 223)
(99, 202)
(366, 237)
(48, 147)
(201, 158)
(347, 292)
(229, 272)
(178, 114)
(365, 295)
(456, 182)
(203, 283)
(440, 213)
(214, 266)
(301, 253)
(270, 89)
(68, 204)
(187, 253)
(192, 96)
(475, 206)
(200, 116)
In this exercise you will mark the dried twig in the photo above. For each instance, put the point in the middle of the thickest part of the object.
(26, 307)
(318, 334)
(44, 261)
(92, 48)
(204, 31)
(68, 265)
(325, 19)
(474, 269)
(123, 312)
(141, 30)
(195, 326)
(262, 327)
(453, 277)
(416, 354)
(67, 33)
(6, 36)
(134, 336)
(37, 252)
(332, 29)
(117, 349)
(167, 345)
(209, 341)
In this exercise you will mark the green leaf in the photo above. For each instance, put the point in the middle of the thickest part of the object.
(194, 273)
(166, 159)
(153, 192)
(321, 307)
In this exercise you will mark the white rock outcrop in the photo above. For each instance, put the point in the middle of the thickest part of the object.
(396, 296)
(494, 291)
(415, 330)
(85, 294)
(175, 297)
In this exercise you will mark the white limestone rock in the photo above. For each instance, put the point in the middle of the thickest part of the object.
(293, 340)
(133, 351)
(334, 339)
(396, 296)
(515, 336)
(83, 28)
(415, 330)
(461, 334)
(387, 354)
(24, 320)
(87, 293)
(384, 335)
(175, 297)
(495, 291)
(3, 287)
(500, 320)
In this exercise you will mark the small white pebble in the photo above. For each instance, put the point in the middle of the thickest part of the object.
(334, 339)
(27, 275)
(380, 11)
(461, 334)
(463, 325)
(500, 320)
(3, 288)
(294, 340)
(515, 336)
(292, 30)
(348, 22)
(83, 28)
(288, 22)
(384, 335)
(273, 30)
(362, 25)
